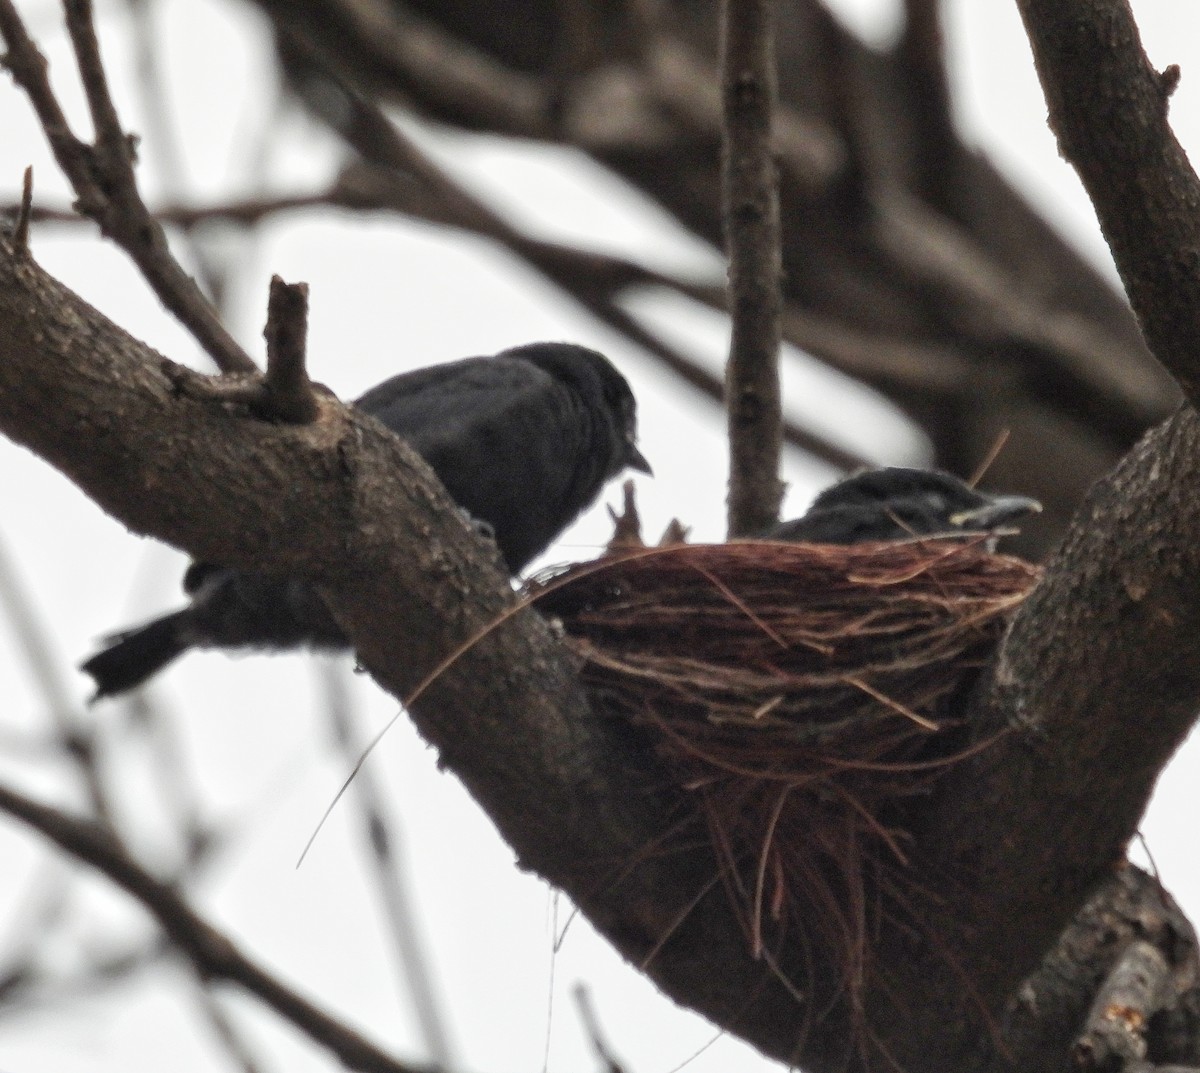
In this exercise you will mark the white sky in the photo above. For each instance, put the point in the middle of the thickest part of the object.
(387, 295)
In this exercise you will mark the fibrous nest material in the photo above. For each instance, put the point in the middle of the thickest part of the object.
(802, 696)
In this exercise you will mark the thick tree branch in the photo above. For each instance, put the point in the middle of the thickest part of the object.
(750, 187)
(1108, 108)
(1138, 987)
(1065, 793)
(1098, 683)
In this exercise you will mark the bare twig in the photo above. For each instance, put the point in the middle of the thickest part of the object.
(103, 178)
(110, 136)
(37, 984)
(591, 1024)
(178, 800)
(245, 213)
(223, 1026)
(162, 141)
(76, 737)
(21, 227)
(285, 394)
(751, 209)
(213, 953)
(289, 390)
(41, 906)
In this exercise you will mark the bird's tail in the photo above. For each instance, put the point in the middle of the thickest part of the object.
(131, 657)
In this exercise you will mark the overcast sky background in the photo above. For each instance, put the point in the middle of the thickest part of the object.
(385, 296)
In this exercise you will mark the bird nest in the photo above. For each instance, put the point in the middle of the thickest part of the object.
(801, 696)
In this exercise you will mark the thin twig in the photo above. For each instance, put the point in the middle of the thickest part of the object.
(213, 953)
(76, 736)
(591, 1025)
(21, 227)
(110, 136)
(103, 178)
(161, 142)
(100, 973)
(179, 795)
(231, 1038)
(285, 394)
(750, 190)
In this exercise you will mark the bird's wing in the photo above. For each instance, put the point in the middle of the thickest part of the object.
(446, 401)
(511, 443)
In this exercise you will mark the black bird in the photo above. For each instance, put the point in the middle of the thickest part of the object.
(896, 504)
(522, 441)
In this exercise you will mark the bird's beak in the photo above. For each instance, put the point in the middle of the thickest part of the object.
(634, 459)
(997, 511)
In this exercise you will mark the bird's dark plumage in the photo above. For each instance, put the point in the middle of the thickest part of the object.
(896, 504)
(522, 441)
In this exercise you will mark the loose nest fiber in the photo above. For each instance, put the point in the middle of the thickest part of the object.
(802, 696)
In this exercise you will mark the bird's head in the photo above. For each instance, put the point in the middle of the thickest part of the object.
(897, 503)
(597, 381)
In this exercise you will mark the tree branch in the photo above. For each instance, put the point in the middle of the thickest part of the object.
(1108, 109)
(750, 184)
(214, 954)
(102, 175)
(1097, 682)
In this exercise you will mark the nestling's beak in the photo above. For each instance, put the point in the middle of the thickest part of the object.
(634, 458)
(997, 511)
